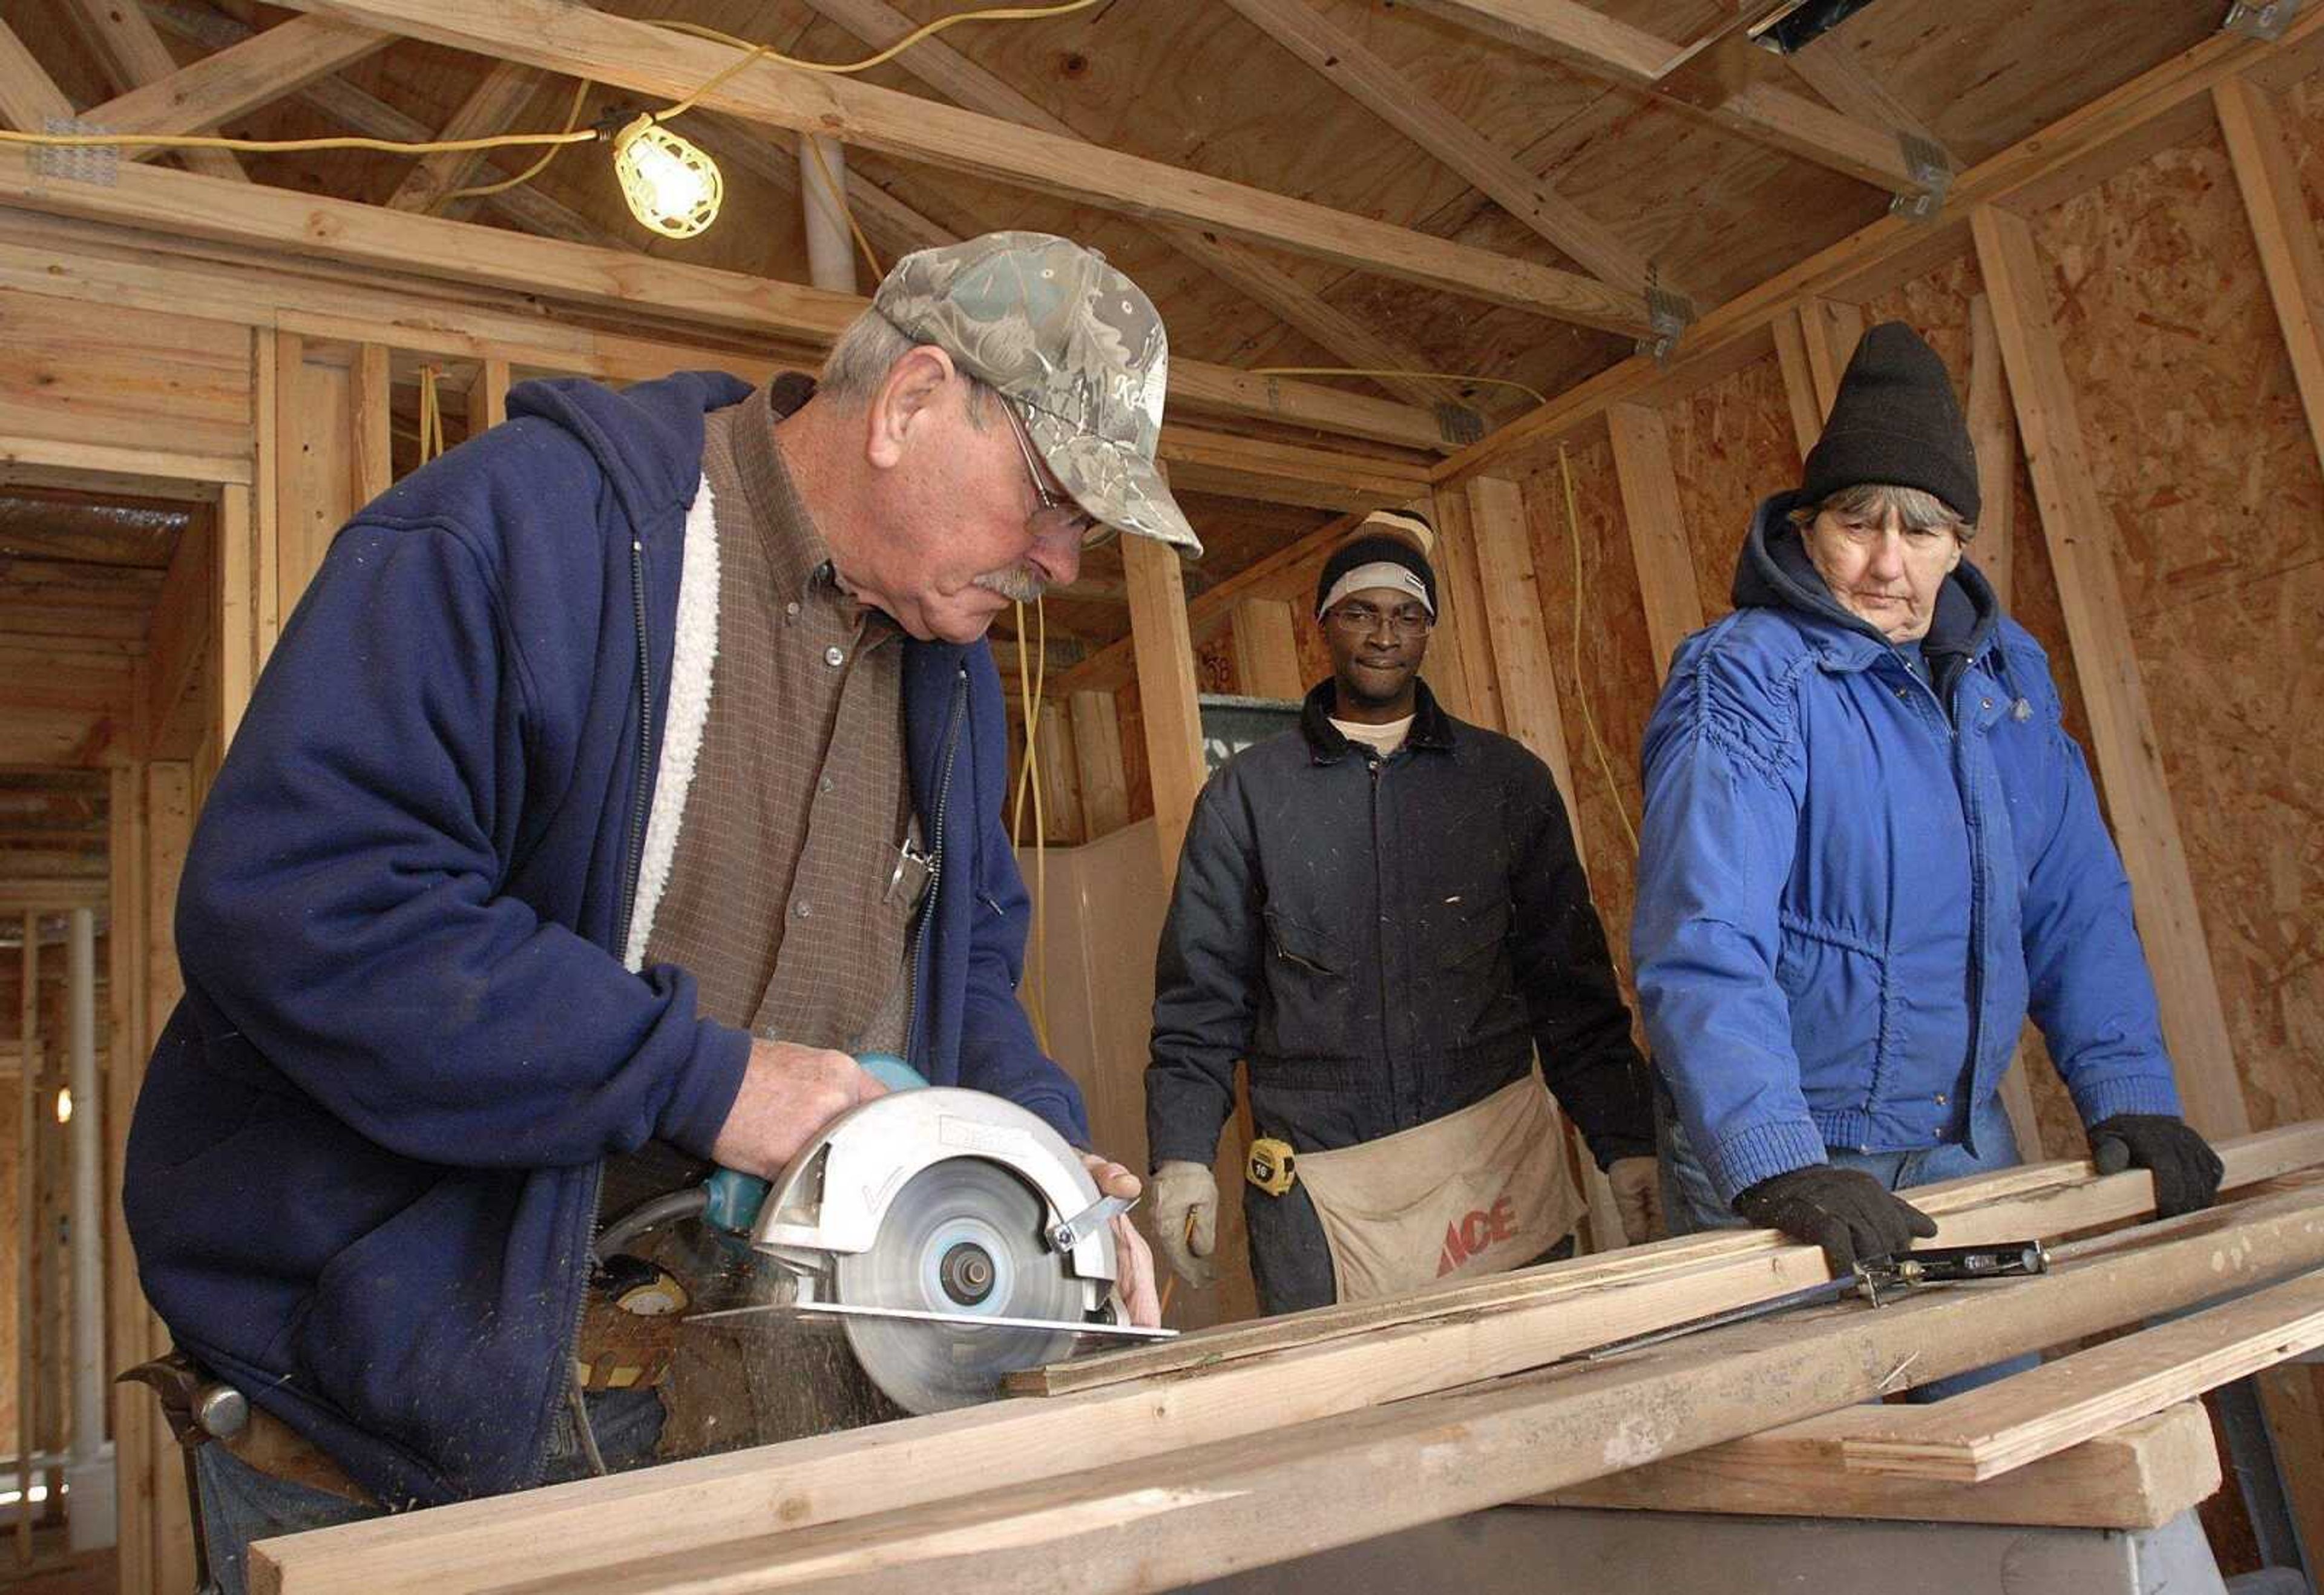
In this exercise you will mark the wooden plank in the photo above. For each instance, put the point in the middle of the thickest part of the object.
(134, 54)
(1459, 666)
(265, 528)
(1266, 651)
(1097, 757)
(1513, 616)
(169, 827)
(653, 60)
(134, 1421)
(131, 380)
(1389, 94)
(1284, 472)
(1828, 67)
(316, 484)
(573, 1528)
(2290, 255)
(401, 241)
(1659, 548)
(264, 67)
(2078, 534)
(179, 643)
(370, 417)
(1993, 433)
(1166, 689)
(1060, 796)
(28, 1224)
(1984, 1433)
(2041, 1200)
(1799, 381)
(488, 400)
(1829, 332)
(491, 106)
(233, 640)
(29, 96)
(1278, 1492)
(2139, 1476)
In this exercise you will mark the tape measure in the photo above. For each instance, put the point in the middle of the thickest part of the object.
(1273, 1167)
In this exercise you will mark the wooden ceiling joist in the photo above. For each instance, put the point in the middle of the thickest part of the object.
(1606, 47)
(646, 60)
(263, 68)
(1384, 89)
(133, 52)
(965, 83)
(1826, 67)
(29, 96)
(350, 107)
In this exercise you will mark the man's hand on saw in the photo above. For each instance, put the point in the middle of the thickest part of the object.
(788, 1092)
(1132, 1261)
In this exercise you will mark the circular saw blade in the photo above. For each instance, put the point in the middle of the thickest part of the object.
(966, 1238)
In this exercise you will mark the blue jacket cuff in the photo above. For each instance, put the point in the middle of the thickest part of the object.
(2100, 1100)
(1742, 1160)
(706, 1091)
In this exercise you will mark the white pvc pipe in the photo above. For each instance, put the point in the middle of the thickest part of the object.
(88, 1199)
(822, 196)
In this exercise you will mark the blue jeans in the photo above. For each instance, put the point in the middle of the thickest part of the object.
(240, 1504)
(1690, 1203)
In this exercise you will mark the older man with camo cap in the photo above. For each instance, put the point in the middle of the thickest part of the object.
(623, 774)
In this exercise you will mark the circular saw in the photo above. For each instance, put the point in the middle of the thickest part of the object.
(955, 1238)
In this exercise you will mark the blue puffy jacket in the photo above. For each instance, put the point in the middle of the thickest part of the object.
(363, 1174)
(1854, 882)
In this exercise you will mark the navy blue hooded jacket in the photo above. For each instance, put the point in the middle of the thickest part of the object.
(362, 1175)
(1855, 883)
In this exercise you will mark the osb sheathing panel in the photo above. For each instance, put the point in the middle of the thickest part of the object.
(1731, 445)
(2202, 457)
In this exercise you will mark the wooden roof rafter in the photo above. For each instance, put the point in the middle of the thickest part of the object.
(961, 80)
(265, 67)
(343, 103)
(136, 56)
(1605, 46)
(652, 60)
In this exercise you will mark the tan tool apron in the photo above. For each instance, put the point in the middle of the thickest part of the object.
(1475, 1192)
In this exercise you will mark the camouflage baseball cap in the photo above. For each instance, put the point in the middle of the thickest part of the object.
(1072, 344)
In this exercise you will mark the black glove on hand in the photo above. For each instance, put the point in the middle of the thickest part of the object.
(1849, 1213)
(2187, 1172)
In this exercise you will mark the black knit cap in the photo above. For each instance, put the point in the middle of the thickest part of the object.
(1378, 548)
(1895, 420)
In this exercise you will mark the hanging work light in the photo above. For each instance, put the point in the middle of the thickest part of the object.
(671, 186)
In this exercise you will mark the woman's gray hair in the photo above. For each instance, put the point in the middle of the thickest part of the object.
(865, 352)
(1916, 510)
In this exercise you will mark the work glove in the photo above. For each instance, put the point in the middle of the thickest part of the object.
(1186, 1219)
(2187, 1172)
(1849, 1213)
(1637, 1184)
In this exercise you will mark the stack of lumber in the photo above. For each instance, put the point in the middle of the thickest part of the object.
(1253, 1443)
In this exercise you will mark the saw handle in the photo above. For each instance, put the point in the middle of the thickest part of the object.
(731, 1199)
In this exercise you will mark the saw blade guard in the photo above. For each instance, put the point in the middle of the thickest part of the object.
(835, 1195)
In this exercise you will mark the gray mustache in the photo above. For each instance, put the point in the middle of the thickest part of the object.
(1019, 583)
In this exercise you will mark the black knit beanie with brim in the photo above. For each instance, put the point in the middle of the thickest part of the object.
(1895, 421)
(1380, 549)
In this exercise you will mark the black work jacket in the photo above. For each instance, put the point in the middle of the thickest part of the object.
(1386, 941)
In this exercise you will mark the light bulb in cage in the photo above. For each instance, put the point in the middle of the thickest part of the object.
(671, 186)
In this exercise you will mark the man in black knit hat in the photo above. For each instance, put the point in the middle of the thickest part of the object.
(1383, 913)
(1870, 849)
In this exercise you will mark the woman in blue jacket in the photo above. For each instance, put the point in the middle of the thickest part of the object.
(1870, 850)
